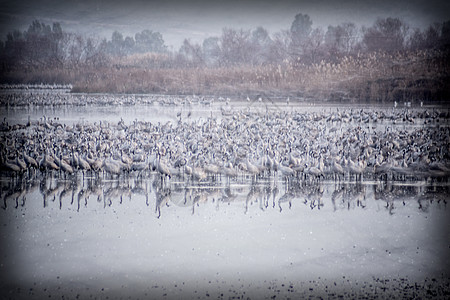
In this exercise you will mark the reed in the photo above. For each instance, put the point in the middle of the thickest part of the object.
(376, 76)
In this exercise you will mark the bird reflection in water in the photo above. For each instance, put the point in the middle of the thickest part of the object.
(349, 196)
(265, 195)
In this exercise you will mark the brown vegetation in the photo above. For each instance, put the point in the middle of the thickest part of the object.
(387, 64)
(409, 76)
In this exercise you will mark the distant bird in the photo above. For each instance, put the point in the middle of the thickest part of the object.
(30, 161)
(48, 163)
(21, 163)
(112, 167)
(162, 168)
(285, 170)
(199, 173)
(83, 164)
(10, 165)
(337, 169)
(314, 171)
(63, 165)
(229, 171)
(355, 168)
(252, 169)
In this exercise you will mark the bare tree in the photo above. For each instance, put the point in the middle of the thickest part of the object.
(73, 50)
(300, 31)
(260, 46)
(95, 50)
(386, 35)
(192, 53)
(15, 50)
(313, 50)
(301, 27)
(445, 35)
(149, 41)
(211, 50)
(279, 48)
(235, 47)
(341, 39)
(116, 44)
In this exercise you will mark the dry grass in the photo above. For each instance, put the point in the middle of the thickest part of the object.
(422, 75)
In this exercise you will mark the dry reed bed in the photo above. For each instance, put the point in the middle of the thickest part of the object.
(415, 76)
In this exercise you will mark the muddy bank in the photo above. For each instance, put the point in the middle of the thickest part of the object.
(343, 287)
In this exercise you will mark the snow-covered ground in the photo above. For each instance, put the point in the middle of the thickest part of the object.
(216, 249)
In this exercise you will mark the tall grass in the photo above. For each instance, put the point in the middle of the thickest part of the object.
(419, 75)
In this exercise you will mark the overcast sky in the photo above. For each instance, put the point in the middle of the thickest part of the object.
(199, 19)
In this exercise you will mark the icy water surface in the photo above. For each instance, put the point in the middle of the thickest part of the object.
(240, 238)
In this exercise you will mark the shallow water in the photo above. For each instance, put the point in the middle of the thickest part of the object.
(140, 236)
(147, 237)
(161, 109)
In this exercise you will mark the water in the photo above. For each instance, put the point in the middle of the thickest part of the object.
(269, 193)
(159, 109)
(142, 236)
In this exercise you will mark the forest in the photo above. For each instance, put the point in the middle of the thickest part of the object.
(388, 61)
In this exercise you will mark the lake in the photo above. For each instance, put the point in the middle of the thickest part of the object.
(145, 235)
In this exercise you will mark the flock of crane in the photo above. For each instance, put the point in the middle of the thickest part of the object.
(335, 144)
(58, 97)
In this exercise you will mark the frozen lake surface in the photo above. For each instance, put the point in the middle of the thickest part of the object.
(143, 237)
(223, 237)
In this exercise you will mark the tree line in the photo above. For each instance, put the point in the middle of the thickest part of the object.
(43, 45)
(304, 44)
